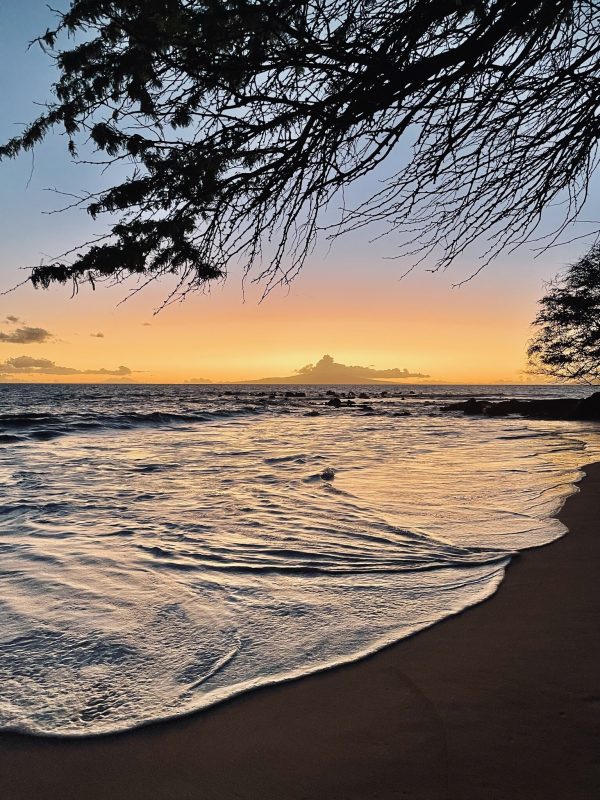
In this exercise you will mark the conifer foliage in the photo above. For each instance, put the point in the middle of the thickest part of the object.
(567, 342)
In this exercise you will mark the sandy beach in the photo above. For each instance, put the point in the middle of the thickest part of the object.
(500, 702)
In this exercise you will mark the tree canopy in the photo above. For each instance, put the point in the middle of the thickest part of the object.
(567, 343)
(239, 121)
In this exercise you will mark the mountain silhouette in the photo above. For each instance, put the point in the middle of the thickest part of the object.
(326, 370)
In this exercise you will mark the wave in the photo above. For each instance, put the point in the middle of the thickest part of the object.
(147, 576)
(42, 427)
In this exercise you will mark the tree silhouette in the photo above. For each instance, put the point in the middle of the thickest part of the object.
(567, 344)
(241, 120)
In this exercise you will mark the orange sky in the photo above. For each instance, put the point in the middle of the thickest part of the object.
(359, 313)
(347, 302)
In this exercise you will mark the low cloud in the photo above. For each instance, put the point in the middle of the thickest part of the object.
(146, 324)
(326, 370)
(98, 335)
(25, 335)
(26, 365)
(198, 380)
(12, 319)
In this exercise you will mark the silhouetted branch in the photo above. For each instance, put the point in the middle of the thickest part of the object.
(243, 120)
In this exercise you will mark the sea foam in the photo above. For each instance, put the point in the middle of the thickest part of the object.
(172, 547)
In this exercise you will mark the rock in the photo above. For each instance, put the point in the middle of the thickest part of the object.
(503, 408)
(471, 406)
(335, 402)
(363, 396)
(555, 408)
(328, 474)
(312, 413)
(589, 408)
(550, 409)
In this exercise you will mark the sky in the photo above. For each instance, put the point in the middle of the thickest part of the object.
(349, 301)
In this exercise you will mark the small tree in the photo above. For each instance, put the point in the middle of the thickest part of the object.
(567, 344)
(241, 120)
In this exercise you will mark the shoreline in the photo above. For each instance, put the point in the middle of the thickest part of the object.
(500, 701)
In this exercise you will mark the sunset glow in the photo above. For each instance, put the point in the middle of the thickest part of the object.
(349, 300)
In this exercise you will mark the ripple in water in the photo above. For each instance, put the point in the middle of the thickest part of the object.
(156, 561)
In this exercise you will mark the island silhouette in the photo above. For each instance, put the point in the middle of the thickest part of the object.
(326, 371)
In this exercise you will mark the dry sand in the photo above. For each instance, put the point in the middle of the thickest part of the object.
(499, 703)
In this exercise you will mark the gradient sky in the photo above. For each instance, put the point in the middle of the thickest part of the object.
(348, 301)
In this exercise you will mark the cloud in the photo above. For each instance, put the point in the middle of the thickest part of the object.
(146, 324)
(26, 365)
(26, 335)
(98, 335)
(120, 371)
(12, 318)
(198, 380)
(328, 371)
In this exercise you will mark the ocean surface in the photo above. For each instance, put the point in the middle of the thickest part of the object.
(163, 548)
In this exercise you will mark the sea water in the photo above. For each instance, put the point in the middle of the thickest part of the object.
(163, 548)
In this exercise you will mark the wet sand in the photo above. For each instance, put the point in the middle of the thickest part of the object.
(501, 702)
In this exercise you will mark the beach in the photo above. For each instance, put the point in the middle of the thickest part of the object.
(501, 701)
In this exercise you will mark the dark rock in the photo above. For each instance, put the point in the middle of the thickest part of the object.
(565, 408)
(312, 413)
(471, 406)
(363, 396)
(503, 408)
(328, 474)
(589, 408)
(335, 402)
(555, 408)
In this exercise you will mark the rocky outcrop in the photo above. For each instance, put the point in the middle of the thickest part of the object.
(561, 408)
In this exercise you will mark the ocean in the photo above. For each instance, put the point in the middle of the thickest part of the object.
(163, 548)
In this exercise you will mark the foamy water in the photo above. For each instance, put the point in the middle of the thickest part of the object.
(164, 548)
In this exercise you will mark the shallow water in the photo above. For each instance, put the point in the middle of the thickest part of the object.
(164, 548)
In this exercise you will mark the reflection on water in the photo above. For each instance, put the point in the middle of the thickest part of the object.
(166, 547)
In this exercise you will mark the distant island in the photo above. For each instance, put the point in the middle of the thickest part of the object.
(329, 371)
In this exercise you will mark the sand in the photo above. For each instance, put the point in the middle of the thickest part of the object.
(499, 702)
